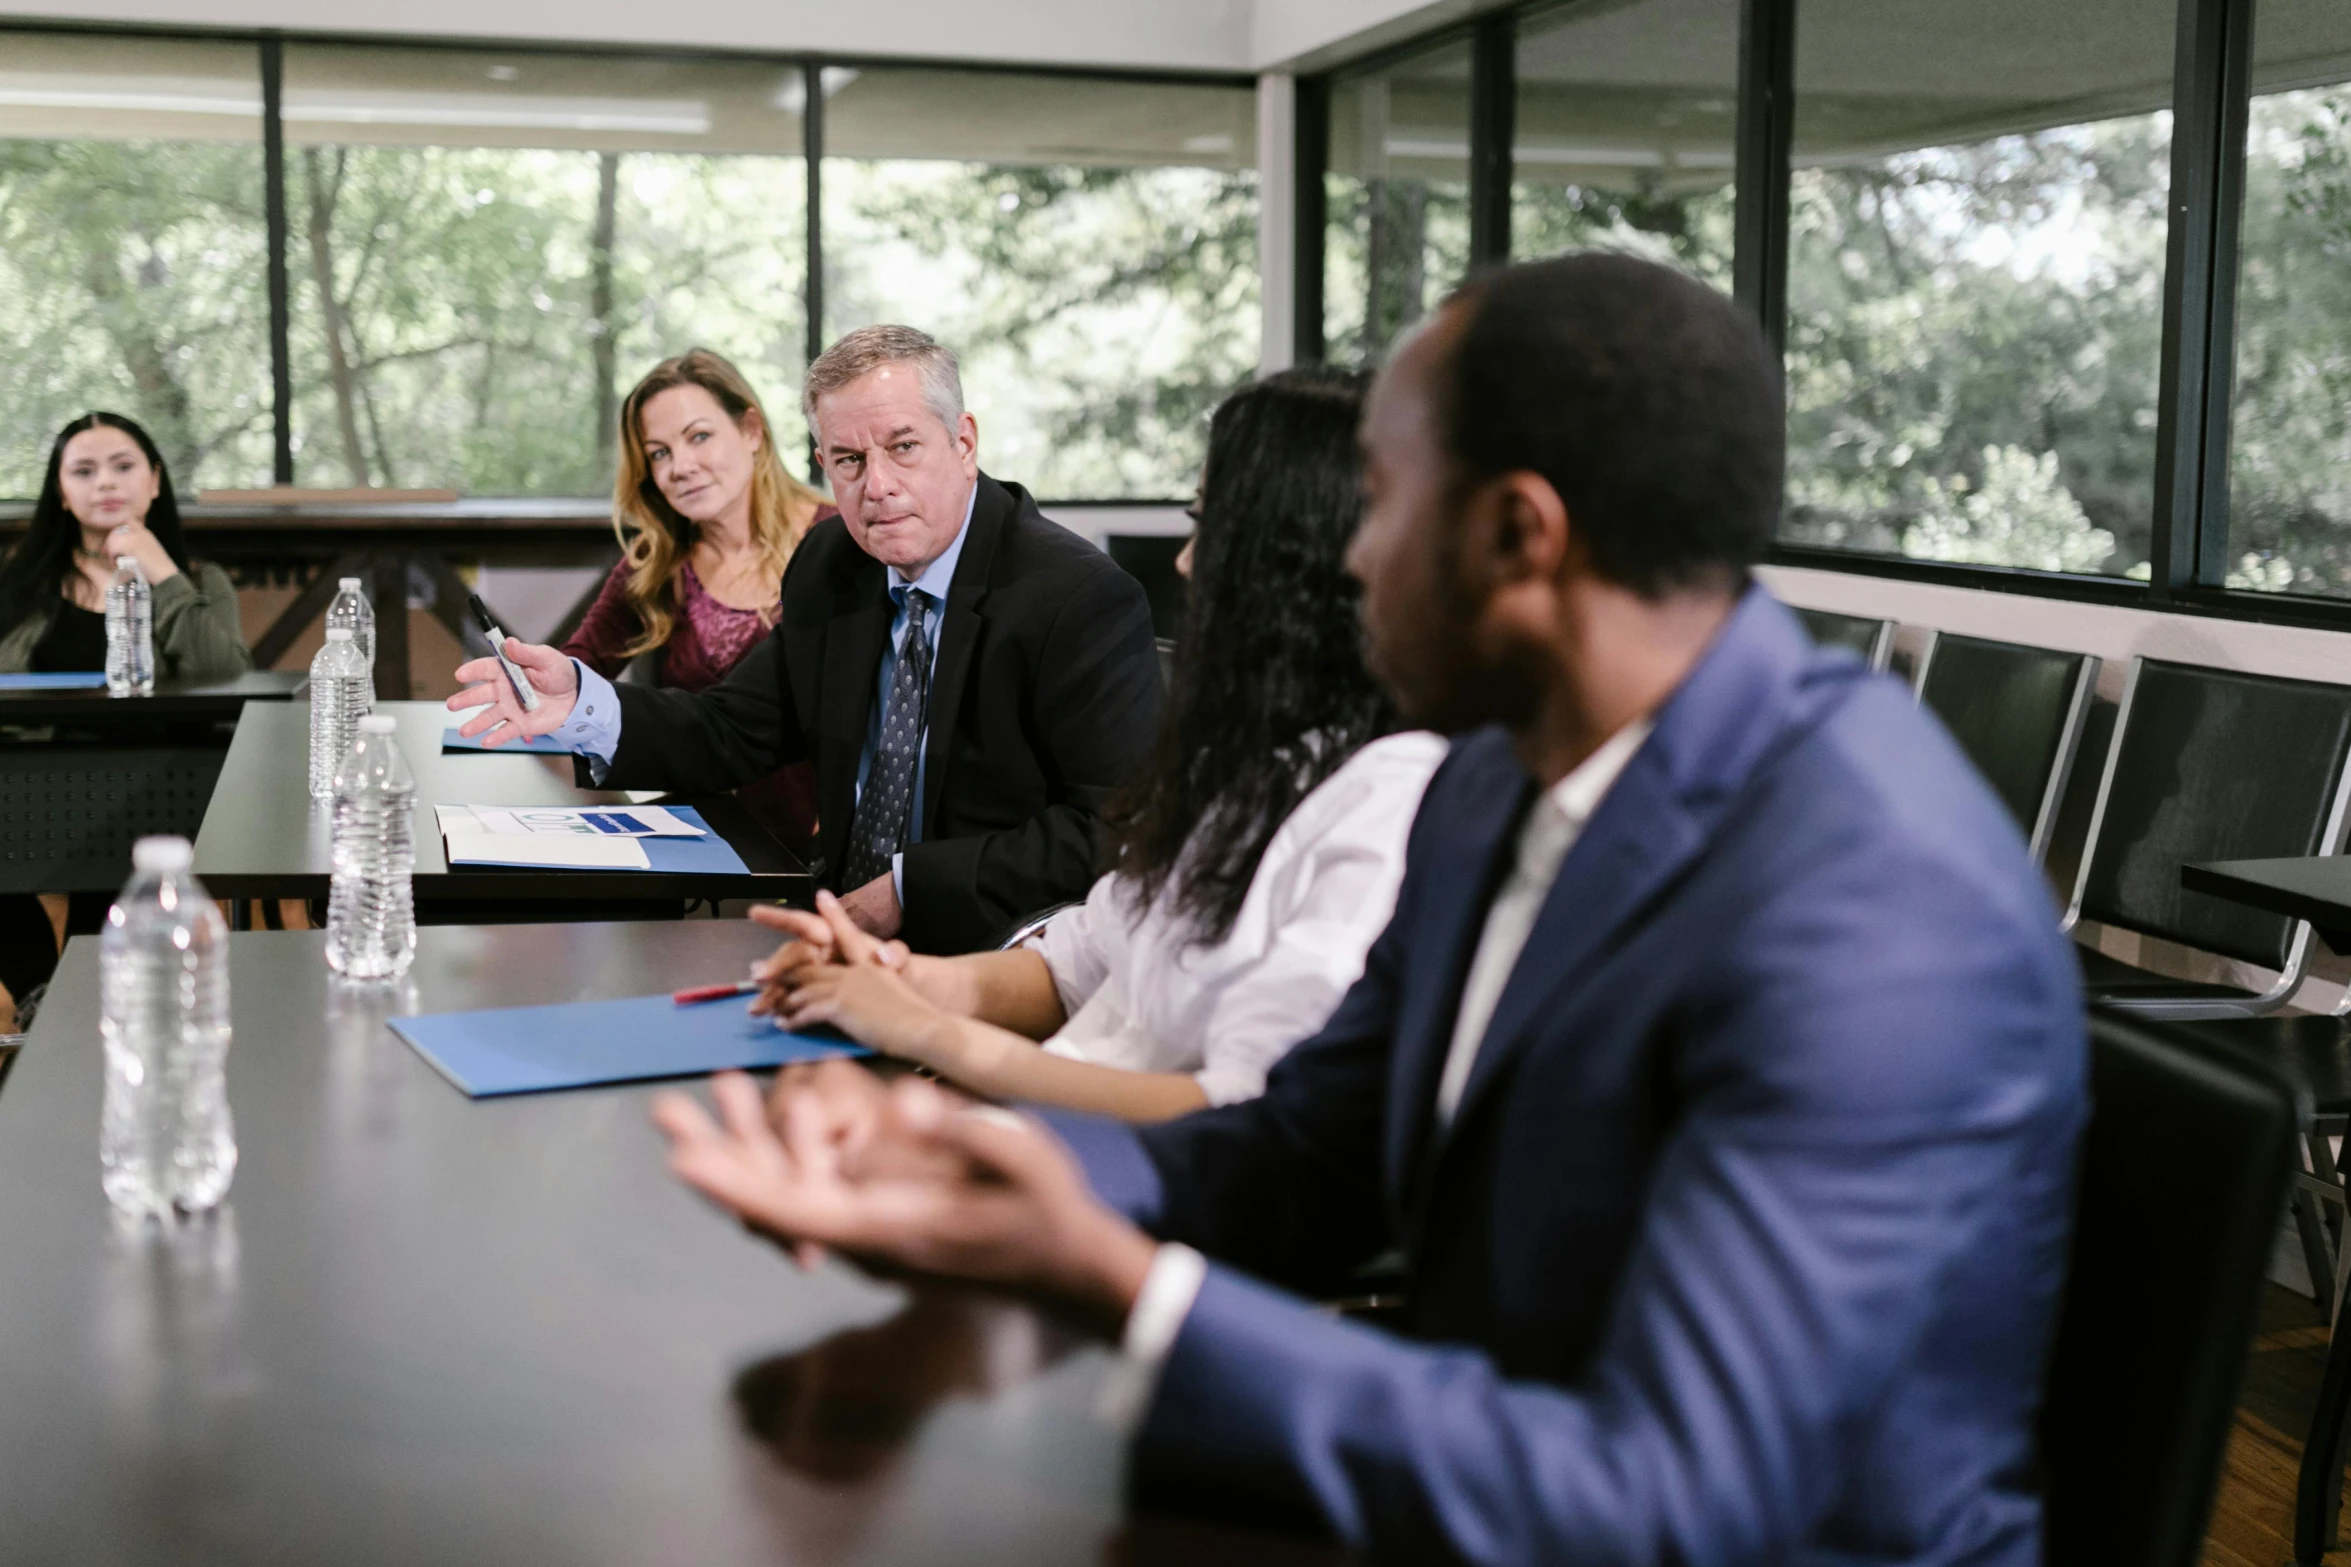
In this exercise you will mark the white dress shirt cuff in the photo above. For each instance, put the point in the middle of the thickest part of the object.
(593, 729)
(1161, 1305)
(898, 880)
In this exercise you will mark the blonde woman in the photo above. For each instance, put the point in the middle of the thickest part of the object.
(708, 516)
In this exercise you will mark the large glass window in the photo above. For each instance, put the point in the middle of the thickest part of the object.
(2290, 437)
(1626, 123)
(1089, 248)
(1976, 278)
(133, 251)
(1396, 200)
(487, 248)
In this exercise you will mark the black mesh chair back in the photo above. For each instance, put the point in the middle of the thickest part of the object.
(2018, 714)
(2209, 764)
(2184, 1173)
(1871, 640)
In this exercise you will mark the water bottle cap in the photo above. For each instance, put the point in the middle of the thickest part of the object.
(338, 633)
(379, 724)
(162, 854)
(350, 582)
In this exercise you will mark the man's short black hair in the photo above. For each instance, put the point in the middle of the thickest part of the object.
(1651, 403)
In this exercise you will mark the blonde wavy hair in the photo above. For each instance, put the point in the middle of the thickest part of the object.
(654, 539)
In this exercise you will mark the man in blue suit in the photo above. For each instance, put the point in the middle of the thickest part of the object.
(1718, 1079)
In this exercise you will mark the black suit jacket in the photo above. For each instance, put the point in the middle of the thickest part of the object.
(1044, 699)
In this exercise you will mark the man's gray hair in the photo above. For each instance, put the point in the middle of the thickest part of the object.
(868, 349)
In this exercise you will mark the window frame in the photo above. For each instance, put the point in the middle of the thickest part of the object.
(2211, 99)
(270, 45)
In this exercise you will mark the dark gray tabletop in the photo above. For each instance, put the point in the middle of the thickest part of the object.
(2316, 888)
(264, 837)
(425, 1329)
(172, 703)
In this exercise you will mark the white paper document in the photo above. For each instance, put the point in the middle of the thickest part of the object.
(559, 838)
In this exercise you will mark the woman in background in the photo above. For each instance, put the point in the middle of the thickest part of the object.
(1257, 858)
(107, 493)
(708, 517)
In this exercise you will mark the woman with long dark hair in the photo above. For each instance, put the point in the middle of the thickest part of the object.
(1256, 859)
(108, 494)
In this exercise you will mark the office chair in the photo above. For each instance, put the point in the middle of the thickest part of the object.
(1872, 640)
(1022, 930)
(2209, 764)
(2018, 713)
(2184, 1167)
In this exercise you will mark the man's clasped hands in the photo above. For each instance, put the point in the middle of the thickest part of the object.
(904, 1176)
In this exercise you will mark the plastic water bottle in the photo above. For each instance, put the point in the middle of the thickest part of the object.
(371, 903)
(352, 611)
(342, 692)
(130, 631)
(166, 1141)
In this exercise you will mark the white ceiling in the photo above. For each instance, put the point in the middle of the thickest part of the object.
(1219, 35)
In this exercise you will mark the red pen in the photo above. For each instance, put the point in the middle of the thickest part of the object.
(687, 998)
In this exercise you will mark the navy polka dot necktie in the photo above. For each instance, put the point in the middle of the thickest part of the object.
(885, 810)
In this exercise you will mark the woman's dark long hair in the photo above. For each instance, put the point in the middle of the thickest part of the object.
(35, 573)
(1270, 695)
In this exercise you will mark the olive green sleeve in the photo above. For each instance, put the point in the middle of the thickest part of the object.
(197, 634)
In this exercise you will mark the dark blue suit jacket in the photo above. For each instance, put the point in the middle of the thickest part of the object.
(1746, 1242)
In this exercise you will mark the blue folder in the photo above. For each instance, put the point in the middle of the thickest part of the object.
(528, 1050)
(63, 680)
(543, 745)
(708, 855)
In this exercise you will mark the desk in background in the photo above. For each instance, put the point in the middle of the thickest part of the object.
(427, 1329)
(386, 544)
(82, 774)
(264, 836)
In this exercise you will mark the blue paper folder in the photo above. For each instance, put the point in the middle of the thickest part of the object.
(544, 745)
(528, 1050)
(63, 680)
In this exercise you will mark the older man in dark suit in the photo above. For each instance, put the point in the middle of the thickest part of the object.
(972, 680)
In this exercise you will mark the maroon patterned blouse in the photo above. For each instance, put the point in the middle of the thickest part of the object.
(706, 640)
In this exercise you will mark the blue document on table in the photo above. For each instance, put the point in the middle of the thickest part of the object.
(528, 1050)
(542, 745)
(61, 680)
(705, 854)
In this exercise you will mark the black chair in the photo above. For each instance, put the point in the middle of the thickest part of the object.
(1871, 640)
(2314, 1056)
(1022, 930)
(2184, 1169)
(1150, 559)
(2018, 713)
(2209, 764)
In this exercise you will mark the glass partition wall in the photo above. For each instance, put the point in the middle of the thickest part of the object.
(1975, 279)
(1396, 199)
(133, 251)
(1088, 246)
(487, 249)
(1625, 132)
(2289, 475)
(483, 248)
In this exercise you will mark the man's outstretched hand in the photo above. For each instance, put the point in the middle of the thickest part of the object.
(909, 1177)
(550, 673)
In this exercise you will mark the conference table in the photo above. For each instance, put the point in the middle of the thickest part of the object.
(265, 837)
(2315, 888)
(83, 773)
(424, 1328)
